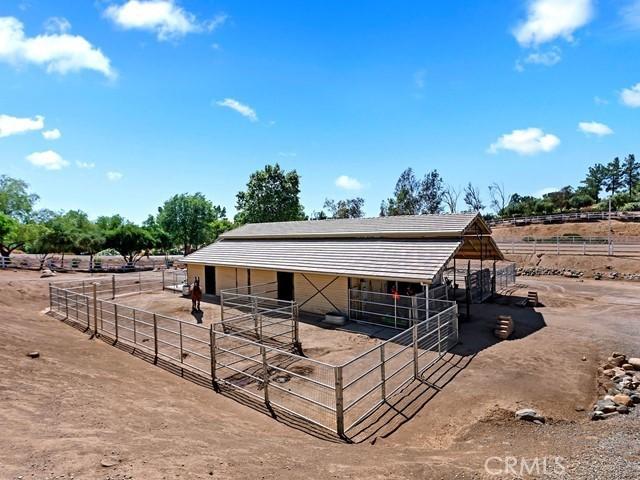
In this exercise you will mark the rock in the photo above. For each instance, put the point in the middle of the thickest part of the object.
(628, 367)
(609, 372)
(597, 415)
(33, 354)
(635, 398)
(605, 406)
(108, 462)
(584, 359)
(622, 399)
(47, 273)
(622, 409)
(618, 354)
(635, 362)
(579, 408)
(529, 415)
(616, 361)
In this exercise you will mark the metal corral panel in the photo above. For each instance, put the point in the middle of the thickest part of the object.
(404, 226)
(404, 260)
(321, 293)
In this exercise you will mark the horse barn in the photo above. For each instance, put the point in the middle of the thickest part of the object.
(364, 268)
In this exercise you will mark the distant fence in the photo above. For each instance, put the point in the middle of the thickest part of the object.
(566, 217)
(81, 263)
(336, 397)
(571, 245)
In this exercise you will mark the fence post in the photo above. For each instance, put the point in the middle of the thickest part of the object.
(439, 337)
(265, 374)
(296, 327)
(50, 298)
(83, 292)
(113, 287)
(339, 402)
(133, 316)
(139, 282)
(383, 379)
(415, 350)
(212, 347)
(88, 313)
(222, 307)
(66, 304)
(557, 245)
(155, 338)
(95, 308)
(115, 319)
(180, 333)
(162, 279)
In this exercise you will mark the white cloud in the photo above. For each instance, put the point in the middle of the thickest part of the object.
(242, 109)
(85, 164)
(57, 52)
(52, 134)
(163, 17)
(551, 19)
(631, 96)
(543, 191)
(13, 125)
(528, 141)
(595, 128)
(48, 160)
(348, 183)
(114, 176)
(630, 14)
(57, 25)
(548, 59)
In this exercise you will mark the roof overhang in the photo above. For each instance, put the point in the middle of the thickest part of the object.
(479, 247)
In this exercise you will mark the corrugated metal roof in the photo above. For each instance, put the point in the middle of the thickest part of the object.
(404, 260)
(405, 226)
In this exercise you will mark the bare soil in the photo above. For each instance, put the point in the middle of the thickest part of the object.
(83, 402)
(584, 229)
(585, 263)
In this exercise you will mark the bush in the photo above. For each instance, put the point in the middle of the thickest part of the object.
(630, 207)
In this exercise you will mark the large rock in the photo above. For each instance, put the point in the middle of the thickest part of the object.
(47, 273)
(622, 399)
(635, 362)
(529, 415)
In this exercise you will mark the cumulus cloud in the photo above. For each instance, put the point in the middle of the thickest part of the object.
(114, 176)
(57, 25)
(52, 134)
(595, 128)
(348, 183)
(85, 164)
(528, 141)
(242, 109)
(631, 96)
(13, 125)
(56, 52)
(163, 17)
(49, 160)
(548, 20)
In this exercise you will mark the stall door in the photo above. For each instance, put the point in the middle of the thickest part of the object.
(209, 280)
(285, 286)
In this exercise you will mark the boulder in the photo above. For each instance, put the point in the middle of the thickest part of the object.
(635, 362)
(616, 361)
(33, 354)
(628, 367)
(47, 273)
(622, 409)
(622, 399)
(529, 415)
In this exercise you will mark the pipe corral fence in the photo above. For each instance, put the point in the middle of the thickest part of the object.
(253, 349)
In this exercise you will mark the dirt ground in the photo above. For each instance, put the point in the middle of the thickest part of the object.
(585, 263)
(84, 402)
(585, 229)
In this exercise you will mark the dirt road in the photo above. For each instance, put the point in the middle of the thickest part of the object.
(84, 402)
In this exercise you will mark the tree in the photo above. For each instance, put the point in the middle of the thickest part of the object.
(108, 223)
(8, 228)
(472, 198)
(450, 197)
(131, 241)
(431, 193)
(631, 172)
(272, 195)
(499, 198)
(56, 239)
(90, 242)
(594, 181)
(613, 180)
(219, 226)
(348, 208)
(15, 200)
(560, 199)
(187, 218)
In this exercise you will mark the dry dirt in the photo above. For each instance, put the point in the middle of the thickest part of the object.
(587, 263)
(84, 401)
(585, 229)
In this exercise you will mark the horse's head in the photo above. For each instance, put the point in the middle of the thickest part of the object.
(196, 282)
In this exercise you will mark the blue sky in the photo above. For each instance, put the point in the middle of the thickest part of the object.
(156, 98)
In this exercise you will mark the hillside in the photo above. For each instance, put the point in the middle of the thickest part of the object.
(585, 229)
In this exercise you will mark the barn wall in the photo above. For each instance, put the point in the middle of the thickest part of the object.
(225, 278)
(262, 276)
(242, 277)
(305, 290)
(195, 271)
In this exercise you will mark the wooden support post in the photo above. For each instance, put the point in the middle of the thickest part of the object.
(339, 402)
(493, 283)
(155, 338)
(265, 375)
(88, 313)
(383, 376)
(115, 319)
(113, 287)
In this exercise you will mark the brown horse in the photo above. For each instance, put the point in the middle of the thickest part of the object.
(196, 296)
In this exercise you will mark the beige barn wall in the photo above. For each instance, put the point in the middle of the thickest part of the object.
(225, 278)
(242, 277)
(262, 276)
(195, 271)
(304, 291)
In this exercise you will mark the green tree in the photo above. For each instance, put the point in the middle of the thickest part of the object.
(272, 195)
(472, 198)
(15, 199)
(108, 223)
(594, 181)
(219, 226)
(187, 218)
(631, 172)
(415, 197)
(8, 243)
(90, 242)
(614, 178)
(348, 208)
(131, 241)
(560, 199)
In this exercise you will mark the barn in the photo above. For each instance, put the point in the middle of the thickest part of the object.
(323, 265)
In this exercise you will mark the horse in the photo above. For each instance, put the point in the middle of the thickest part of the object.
(196, 296)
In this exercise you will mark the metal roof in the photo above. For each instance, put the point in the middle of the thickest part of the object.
(403, 260)
(404, 226)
